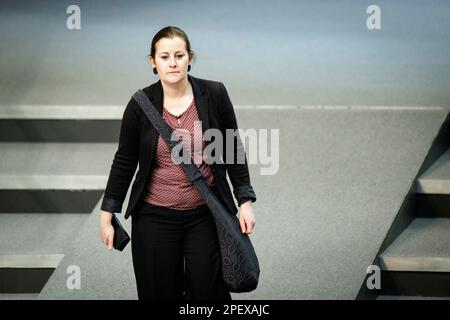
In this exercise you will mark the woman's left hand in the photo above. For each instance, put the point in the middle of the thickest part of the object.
(246, 217)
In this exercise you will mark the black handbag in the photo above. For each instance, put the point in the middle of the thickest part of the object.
(121, 237)
(240, 265)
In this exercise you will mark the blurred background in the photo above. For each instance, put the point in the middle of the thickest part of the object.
(289, 52)
(363, 150)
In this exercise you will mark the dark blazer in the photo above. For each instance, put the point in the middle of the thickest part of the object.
(138, 141)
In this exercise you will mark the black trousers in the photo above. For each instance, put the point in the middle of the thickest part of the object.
(176, 254)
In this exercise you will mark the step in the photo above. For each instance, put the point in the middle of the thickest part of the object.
(436, 180)
(37, 123)
(424, 246)
(53, 177)
(38, 233)
(418, 262)
(32, 246)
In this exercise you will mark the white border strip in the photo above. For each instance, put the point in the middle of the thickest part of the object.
(49, 182)
(340, 107)
(114, 112)
(395, 108)
(30, 260)
(87, 112)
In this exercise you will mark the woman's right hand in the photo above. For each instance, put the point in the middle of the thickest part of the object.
(106, 229)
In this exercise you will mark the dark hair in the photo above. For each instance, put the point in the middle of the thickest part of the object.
(169, 32)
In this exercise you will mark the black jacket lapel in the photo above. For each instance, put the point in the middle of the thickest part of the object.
(201, 102)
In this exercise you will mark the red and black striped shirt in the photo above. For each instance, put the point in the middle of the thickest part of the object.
(169, 186)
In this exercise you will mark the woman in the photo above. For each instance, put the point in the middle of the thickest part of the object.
(175, 249)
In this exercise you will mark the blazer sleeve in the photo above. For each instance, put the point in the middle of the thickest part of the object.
(125, 161)
(237, 170)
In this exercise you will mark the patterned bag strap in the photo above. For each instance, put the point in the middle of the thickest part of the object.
(190, 169)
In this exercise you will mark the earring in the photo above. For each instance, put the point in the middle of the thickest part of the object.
(155, 71)
(189, 68)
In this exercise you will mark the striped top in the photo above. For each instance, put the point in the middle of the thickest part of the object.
(169, 186)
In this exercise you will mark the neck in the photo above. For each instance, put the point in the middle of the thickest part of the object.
(175, 90)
